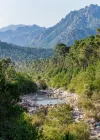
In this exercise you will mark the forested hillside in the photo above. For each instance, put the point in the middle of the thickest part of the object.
(75, 68)
(20, 54)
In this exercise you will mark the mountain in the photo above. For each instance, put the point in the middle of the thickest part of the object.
(11, 27)
(21, 54)
(20, 35)
(75, 26)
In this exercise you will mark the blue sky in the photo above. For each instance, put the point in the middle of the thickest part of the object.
(41, 12)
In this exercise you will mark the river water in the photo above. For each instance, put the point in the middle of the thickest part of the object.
(32, 102)
(49, 101)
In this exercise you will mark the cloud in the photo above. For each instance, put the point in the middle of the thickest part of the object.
(1, 19)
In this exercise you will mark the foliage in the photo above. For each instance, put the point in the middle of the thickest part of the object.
(76, 69)
(57, 121)
(61, 50)
(12, 124)
(25, 83)
(18, 129)
(77, 130)
(8, 88)
(58, 124)
(22, 54)
(41, 84)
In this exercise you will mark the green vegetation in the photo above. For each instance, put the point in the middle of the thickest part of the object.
(76, 69)
(58, 124)
(13, 126)
(78, 129)
(25, 83)
(21, 54)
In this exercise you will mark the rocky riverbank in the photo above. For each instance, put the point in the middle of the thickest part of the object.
(79, 114)
(30, 103)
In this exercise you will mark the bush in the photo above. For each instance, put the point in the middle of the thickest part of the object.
(80, 130)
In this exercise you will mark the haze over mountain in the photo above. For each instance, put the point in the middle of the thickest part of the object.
(11, 27)
(21, 35)
(76, 25)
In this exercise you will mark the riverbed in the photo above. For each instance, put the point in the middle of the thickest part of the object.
(49, 98)
(46, 98)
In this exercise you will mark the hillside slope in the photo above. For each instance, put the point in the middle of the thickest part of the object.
(20, 54)
(75, 26)
(20, 35)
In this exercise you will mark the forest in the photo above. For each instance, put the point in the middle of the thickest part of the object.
(21, 54)
(75, 68)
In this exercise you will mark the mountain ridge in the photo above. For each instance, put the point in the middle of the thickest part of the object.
(64, 28)
(76, 25)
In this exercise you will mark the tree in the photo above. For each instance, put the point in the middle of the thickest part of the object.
(58, 119)
(68, 136)
(80, 130)
(8, 88)
(98, 30)
(18, 129)
(61, 50)
(12, 123)
(25, 84)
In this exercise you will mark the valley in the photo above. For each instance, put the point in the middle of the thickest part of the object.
(50, 76)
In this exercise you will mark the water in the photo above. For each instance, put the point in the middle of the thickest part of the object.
(49, 101)
(44, 97)
(30, 100)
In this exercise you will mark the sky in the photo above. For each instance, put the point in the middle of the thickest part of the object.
(41, 12)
